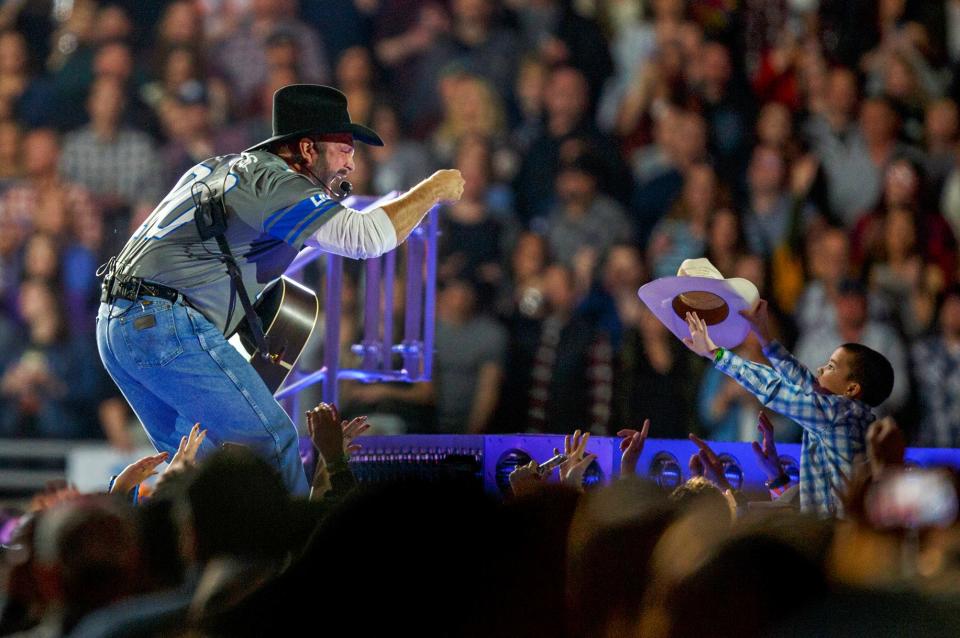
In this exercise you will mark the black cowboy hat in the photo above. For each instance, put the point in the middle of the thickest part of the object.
(302, 110)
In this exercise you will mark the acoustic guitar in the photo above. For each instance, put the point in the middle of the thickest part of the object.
(288, 312)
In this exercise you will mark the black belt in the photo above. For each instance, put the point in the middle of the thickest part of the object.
(132, 288)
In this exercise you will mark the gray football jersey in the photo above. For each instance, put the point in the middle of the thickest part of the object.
(271, 211)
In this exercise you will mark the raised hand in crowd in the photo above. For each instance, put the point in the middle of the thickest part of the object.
(323, 426)
(707, 464)
(53, 493)
(31, 377)
(137, 472)
(766, 451)
(351, 430)
(526, 479)
(573, 469)
(886, 445)
(631, 447)
(186, 455)
(333, 438)
(326, 434)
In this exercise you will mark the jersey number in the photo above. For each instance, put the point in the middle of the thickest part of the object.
(178, 208)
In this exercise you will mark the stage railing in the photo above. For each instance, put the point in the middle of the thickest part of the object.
(489, 459)
(27, 465)
(376, 348)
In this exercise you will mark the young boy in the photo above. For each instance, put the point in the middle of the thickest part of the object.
(832, 407)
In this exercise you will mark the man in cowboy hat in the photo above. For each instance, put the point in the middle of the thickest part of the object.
(169, 301)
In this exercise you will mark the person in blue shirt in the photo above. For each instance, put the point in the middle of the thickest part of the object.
(832, 406)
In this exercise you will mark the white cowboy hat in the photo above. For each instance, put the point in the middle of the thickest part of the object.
(699, 287)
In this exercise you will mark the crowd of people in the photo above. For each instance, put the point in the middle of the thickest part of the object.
(218, 547)
(808, 147)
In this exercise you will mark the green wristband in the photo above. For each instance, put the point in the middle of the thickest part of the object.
(719, 355)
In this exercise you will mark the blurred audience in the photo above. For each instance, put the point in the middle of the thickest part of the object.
(935, 364)
(799, 145)
(116, 163)
(471, 351)
(811, 147)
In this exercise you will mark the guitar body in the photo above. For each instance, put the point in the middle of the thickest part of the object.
(288, 312)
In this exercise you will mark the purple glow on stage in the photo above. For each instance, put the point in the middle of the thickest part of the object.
(491, 458)
(376, 347)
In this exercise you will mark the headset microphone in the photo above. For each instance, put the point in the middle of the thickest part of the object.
(344, 187)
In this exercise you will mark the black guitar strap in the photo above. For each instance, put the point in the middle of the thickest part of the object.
(253, 320)
(211, 220)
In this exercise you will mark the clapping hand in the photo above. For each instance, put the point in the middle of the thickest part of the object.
(323, 426)
(332, 437)
(351, 430)
(573, 469)
(766, 452)
(631, 447)
(137, 472)
(707, 464)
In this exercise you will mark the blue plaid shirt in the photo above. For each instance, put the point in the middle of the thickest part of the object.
(834, 427)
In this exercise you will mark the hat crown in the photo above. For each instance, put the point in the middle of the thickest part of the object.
(306, 107)
(304, 110)
(700, 267)
(699, 287)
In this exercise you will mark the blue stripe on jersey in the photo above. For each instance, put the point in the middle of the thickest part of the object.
(291, 218)
(321, 210)
(305, 204)
(302, 207)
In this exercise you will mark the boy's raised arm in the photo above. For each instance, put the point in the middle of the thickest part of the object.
(781, 359)
(809, 409)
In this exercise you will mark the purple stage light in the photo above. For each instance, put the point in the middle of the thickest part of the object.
(376, 347)
(664, 461)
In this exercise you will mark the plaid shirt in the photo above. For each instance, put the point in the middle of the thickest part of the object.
(834, 427)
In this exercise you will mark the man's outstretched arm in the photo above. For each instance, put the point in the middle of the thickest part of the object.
(318, 221)
(406, 211)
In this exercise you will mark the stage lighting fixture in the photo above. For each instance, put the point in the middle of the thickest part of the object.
(732, 470)
(790, 467)
(594, 475)
(665, 471)
(507, 463)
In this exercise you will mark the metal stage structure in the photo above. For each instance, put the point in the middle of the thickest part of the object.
(489, 459)
(377, 348)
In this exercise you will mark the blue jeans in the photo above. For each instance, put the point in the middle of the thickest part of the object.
(175, 368)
